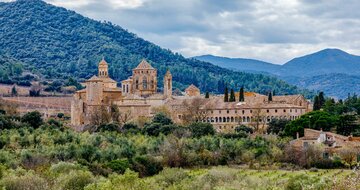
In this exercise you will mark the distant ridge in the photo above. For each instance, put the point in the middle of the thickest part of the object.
(314, 71)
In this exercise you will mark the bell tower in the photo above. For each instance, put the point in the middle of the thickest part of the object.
(103, 69)
(168, 85)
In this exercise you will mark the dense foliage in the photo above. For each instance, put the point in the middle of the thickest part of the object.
(57, 44)
(341, 117)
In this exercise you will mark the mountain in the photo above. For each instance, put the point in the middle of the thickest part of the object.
(334, 85)
(56, 44)
(326, 61)
(240, 64)
(330, 70)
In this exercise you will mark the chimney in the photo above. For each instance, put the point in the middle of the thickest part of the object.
(297, 135)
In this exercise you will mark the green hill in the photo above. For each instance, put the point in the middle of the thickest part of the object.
(57, 44)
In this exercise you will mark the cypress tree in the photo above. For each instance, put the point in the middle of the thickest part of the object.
(321, 99)
(13, 91)
(241, 94)
(270, 97)
(232, 96)
(207, 95)
(226, 94)
(316, 105)
(273, 93)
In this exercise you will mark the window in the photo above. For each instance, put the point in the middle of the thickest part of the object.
(219, 111)
(227, 111)
(267, 111)
(144, 83)
(243, 111)
(235, 111)
(275, 111)
(284, 110)
(250, 111)
(306, 144)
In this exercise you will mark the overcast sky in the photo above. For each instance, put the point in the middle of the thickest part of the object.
(270, 30)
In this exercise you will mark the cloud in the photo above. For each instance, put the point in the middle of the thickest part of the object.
(270, 30)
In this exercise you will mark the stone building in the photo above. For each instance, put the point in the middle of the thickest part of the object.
(138, 97)
(332, 143)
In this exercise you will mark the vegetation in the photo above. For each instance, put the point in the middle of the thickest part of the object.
(65, 45)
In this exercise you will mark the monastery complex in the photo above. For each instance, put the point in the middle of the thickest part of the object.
(139, 97)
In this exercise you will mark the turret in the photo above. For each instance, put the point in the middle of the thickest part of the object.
(168, 84)
(103, 69)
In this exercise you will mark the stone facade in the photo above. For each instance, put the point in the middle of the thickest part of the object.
(138, 97)
(332, 143)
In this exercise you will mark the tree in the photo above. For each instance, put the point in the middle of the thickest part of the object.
(321, 99)
(241, 95)
(199, 129)
(207, 95)
(195, 110)
(226, 94)
(162, 119)
(276, 126)
(14, 91)
(273, 93)
(244, 128)
(232, 96)
(33, 119)
(270, 97)
(316, 105)
(347, 125)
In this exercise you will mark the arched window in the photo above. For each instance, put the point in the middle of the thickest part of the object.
(216, 119)
(220, 119)
(232, 119)
(152, 84)
(224, 119)
(137, 83)
(144, 83)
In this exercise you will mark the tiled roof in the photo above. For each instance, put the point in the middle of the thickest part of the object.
(144, 65)
(192, 87)
(103, 63)
(94, 78)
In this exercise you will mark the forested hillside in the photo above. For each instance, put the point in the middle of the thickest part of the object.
(57, 44)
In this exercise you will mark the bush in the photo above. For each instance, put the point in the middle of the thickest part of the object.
(244, 129)
(29, 181)
(109, 127)
(146, 166)
(54, 123)
(303, 181)
(64, 168)
(131, 128)
(119, 166)
(170, 176)
(33, 119)
(199, 129)
(75, 180)
(162, 119)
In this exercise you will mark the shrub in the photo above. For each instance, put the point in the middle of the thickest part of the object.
(162, 119)
(243, 129)
(170, 176)
(303, 181)
(146, 166)
(54, 123)
(128, 181)
(109, 127)
(75, 180)
(33, 119)
(119, 166)
(64, 168)
(29, 181)
(199, 129)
